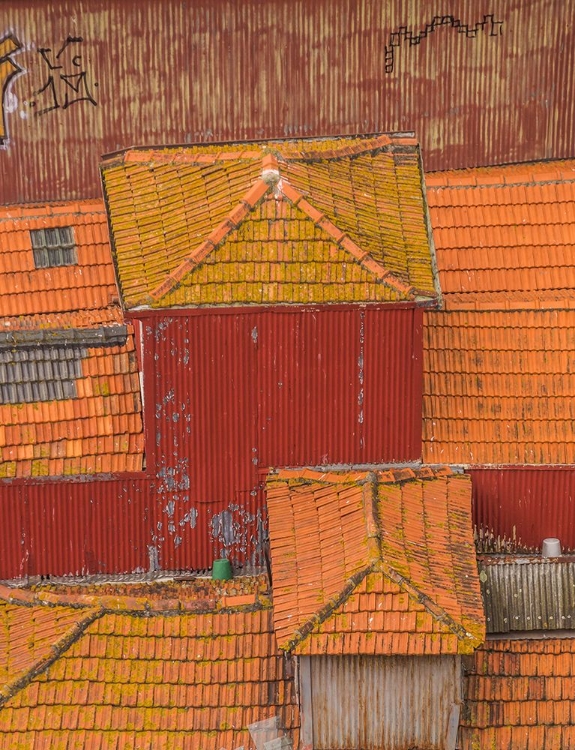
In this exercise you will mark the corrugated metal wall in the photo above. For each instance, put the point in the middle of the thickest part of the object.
(229, 393)
(485, 84)
(516, 508)
(391, 702)
(527, 594)
(75, 527)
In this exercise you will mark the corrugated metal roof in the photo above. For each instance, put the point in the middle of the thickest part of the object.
(317, 221)
(479, 85)
(394, 570)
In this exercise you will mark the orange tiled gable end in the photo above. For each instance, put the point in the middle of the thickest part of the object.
(318, 221)
(374, 563)
(69, 389)
(174, 665)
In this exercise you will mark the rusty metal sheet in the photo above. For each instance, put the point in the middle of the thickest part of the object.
(515, 508)
(230, 393)
(480, 85)
(528, 594)
(396, 702)
(76, 527)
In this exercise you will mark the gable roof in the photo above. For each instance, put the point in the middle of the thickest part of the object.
(69, 388)
(505, 236)
(171, 666)
(286, 221)
(374, 562)
(498, 387)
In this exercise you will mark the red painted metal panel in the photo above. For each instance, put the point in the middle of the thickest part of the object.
(481, 86)
(309, 387)
(75, 527)
(515, 508)
(13, 543)
(229, 393)
(393, 384)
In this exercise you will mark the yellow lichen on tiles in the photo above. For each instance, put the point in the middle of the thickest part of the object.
(189, 205)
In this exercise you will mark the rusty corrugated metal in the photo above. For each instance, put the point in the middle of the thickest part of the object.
(395, 702)
(527, 594)
(59, 528)
(229, 393)
(515, 508)
(482, 85)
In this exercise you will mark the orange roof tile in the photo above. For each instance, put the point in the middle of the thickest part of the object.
(64, 409)
(505, 236)
(88, 285)
(302, 221)
(367, 563)
(102, 672)
(520, 694)
(498, 387)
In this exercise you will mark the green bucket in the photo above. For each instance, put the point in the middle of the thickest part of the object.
(222, 570)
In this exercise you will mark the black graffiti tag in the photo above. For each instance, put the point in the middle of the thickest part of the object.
(66, 81)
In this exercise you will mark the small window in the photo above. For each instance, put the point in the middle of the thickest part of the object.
(53, 247)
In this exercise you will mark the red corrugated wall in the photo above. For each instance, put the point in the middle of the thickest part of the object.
(479, 83)
(227, 394)
(515, 508)
(230, 393)
(75, 527)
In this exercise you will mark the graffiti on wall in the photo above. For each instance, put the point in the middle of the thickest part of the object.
(403, 35)
(9, 46)
(66, 81)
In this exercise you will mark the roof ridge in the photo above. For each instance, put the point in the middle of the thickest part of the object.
(328, 609)
(343, 240)
(21, 681)
(432, 607)
(246, 204)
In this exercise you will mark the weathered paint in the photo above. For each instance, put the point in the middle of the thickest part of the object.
(515, 508)
(485, 84)
(528, 594)
(396, 702)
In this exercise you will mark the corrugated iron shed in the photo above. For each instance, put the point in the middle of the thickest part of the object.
(478, 84)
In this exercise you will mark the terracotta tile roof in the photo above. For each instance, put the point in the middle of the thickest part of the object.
(498, 387)
(87, 286)
(304, 221)
(520, 694)
(69, 388)
(107, 673)
(505, 236)
(366, 563)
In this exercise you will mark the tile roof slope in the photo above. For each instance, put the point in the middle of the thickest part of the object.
(505, 236)
(498, 387)
(304, 221)
(100, 429)
(520, 694)
(373, 563)
(74, 295)
(152, 672)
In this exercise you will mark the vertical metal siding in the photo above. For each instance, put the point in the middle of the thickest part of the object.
(516, 508)
(231, 393)
(395, 702)
(75, 527)
(173, 72)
